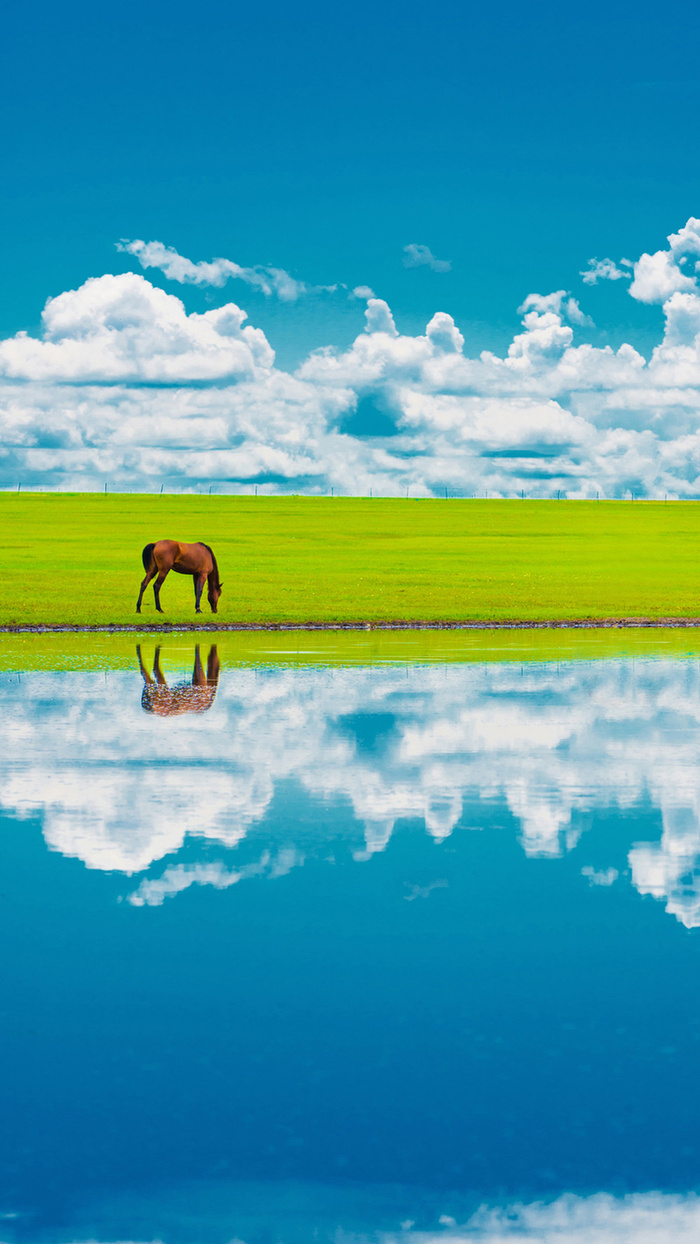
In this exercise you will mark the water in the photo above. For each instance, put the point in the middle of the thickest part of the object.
(311, 952)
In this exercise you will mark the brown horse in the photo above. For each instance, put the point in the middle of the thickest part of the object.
(194, 697)
(195, 559)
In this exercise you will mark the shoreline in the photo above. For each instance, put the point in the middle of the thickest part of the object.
(165, 628)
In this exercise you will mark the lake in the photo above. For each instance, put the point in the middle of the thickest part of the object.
(303, 943)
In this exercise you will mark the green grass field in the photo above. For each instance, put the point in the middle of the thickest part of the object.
(76, 558)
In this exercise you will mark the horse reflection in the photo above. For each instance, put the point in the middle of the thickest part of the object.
(195, 697)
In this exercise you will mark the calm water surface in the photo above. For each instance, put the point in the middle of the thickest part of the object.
(391, 952)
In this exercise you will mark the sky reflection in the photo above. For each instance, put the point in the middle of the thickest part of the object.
(358, 955)
(552, 744)
(294, 1213)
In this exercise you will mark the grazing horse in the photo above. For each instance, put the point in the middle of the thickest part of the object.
(195, 559)
(194, 697)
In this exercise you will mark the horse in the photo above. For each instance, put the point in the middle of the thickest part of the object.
(195, 559)
(195, 697)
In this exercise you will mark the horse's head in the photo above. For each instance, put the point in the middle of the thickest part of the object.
(214, 593)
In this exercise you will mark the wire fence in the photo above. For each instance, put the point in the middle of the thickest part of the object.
(222, 489)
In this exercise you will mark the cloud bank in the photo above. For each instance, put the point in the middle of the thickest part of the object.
(122, 384)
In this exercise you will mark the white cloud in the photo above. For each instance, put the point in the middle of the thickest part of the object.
(123, 385)
(214, 273)
(687, 240)
(604, 270)
(658, 276)
(379, 319)
(655, 276)
(121, 328)
(559, 304)
(415, 255)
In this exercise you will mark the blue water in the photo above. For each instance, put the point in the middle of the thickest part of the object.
(351, 948)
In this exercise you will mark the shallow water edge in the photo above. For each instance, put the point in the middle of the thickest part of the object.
(114, 649)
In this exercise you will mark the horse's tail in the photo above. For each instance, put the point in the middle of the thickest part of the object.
(146, 557)
(210, 551)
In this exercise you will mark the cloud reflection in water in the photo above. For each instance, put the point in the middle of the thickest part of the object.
(120, 790)
(294, 1213)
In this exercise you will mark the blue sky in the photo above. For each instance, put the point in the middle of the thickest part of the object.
(514, 141)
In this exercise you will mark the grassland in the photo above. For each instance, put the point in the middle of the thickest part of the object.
(76, 559)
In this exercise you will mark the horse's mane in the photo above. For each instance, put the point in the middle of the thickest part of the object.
(210, 551)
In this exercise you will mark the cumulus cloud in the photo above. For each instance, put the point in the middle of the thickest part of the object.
(559, 304)
(122, 384)
(552, 744)
(378, 318)
(121, 328)
(658, 276)
(687, 240)
(415, 255)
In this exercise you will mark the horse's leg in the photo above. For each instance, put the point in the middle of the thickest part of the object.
(199, 588)
(160, 676)
(146, 676)
(157, 586)
(213, 666)
(198, 679)
(144, 585)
